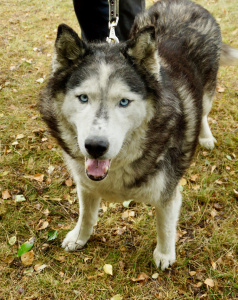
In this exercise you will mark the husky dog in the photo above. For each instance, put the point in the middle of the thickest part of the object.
(128, 116)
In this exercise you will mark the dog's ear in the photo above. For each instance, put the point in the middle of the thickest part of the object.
(143, 49)
(69, 48)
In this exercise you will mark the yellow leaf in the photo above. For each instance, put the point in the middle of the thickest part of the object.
(27, 258)
(183, 182)
(117, 297)
(209, 282)
(192, 273)
(6, 195)
(107, 269)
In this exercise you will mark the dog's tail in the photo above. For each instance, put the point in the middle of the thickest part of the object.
(229, 55)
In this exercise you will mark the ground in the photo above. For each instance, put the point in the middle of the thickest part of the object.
(37, 195)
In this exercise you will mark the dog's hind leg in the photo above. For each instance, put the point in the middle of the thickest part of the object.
(166, 220)
(88, 213)
(206, 138)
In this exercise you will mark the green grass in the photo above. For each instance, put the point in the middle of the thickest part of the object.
(207, 229)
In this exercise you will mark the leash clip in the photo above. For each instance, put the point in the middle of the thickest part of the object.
(113, 39)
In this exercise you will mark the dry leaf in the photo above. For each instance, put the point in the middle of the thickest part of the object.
(69, 182)
(219, 182)
(141, 277)
(209, 282)
(194, 177)
(213, 168)
(220, 89)
(155, 275)
(117, 297)
(39, 268)
(213, 213)
(38, 177)
(60, 258)
(42, 225)
(183, 182)
(192, 273)
(107, 269)
(20, 136)
(214, 265)
(6, 195)
(27, 258)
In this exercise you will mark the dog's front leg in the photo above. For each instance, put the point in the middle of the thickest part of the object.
(88, 212)
(166, 219)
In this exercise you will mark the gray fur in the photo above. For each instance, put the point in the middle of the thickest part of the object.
(167, 71)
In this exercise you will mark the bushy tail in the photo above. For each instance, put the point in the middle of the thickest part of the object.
(229, 55)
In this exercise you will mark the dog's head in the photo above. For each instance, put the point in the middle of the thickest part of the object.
(101, 93)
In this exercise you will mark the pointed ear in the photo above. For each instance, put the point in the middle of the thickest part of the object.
(143, 49)
(69, 48)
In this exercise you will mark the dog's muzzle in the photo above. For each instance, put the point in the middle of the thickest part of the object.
(96, 168)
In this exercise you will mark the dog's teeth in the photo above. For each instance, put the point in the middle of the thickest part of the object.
(106, 169)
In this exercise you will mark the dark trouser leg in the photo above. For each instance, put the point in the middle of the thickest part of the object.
(93, 18)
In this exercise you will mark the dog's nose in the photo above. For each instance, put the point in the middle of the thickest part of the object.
(96, 146)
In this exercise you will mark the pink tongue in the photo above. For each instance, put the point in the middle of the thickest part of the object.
(97, 168)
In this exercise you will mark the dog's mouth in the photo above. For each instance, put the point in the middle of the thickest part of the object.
(97, 169)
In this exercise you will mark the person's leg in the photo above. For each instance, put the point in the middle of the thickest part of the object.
(127, 12)
(93, 18)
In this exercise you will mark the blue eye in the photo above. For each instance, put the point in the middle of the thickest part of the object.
(83, 98)
(124, 102)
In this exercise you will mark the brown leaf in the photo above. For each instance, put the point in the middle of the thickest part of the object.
(39, 268)
(69, 182)
(220, 89)
(194, 177)
(27, 258)
(6, 195)
(42, 225)
(141, 277)
(209, 282)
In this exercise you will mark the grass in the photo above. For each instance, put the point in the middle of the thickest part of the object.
(207, 229)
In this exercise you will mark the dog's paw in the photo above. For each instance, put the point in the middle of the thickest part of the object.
(72, 242)
(208, 143)
(163, 260)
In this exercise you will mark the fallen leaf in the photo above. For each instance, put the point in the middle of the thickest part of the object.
(20, 136)
(51, 169)
(213, 168)
(107, 269)
(12, 240)
(219, 182)
(192, 273)
(194, 177)
(220, 89)
(6, 195)
(128, 213)
(141, 277)
(127, 203)
(27, 258)
(60, 258)
(39, 268)
(209, 282)
(183, 182)
(38, 177)
(20, 198)
(155, 275)
(213, 213)
(52, 235)
(218, 206)
(26, 246)
(117, 297)
(40, 80)
(69, 182)
(42, 225)
(214, 265)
